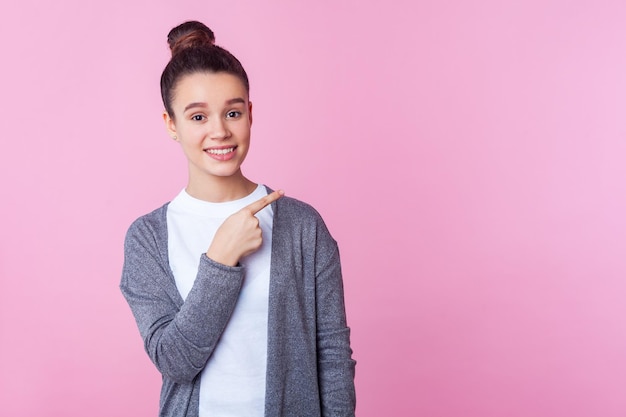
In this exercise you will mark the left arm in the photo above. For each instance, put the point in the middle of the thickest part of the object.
(335, 364)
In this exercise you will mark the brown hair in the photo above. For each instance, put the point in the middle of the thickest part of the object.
(194, 50)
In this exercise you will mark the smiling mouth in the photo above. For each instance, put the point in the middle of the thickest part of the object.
(222, 151)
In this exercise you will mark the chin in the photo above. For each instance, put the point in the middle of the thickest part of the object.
(223, 173)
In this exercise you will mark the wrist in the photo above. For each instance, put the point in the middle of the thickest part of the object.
(221, 258)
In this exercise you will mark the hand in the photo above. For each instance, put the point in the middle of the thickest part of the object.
(240, 234)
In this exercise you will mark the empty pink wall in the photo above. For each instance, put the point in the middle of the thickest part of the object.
(469, 157)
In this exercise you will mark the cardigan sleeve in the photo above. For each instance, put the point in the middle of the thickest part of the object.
(335, 364)
(178, 336)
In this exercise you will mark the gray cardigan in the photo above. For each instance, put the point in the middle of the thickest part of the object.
(310, 371)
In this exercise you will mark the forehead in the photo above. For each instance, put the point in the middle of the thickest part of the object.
(215, 89)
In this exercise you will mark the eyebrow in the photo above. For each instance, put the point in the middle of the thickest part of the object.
(204, 105)
(236, 100)
(192, 105)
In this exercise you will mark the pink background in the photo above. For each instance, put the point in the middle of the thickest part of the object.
(469, 157)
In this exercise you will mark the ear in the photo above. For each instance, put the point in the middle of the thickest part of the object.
(250, 112)
(170, 126)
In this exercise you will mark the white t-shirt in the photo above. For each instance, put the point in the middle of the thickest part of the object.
(233, 380)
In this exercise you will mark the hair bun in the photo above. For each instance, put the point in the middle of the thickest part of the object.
(191, 34)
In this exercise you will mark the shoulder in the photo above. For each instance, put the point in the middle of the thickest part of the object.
(301, 225)
(294, 210)
(294, 206)
(300, 220)
(150, 224)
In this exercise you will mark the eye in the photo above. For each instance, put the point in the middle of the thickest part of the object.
(233, 114)
(197, 117)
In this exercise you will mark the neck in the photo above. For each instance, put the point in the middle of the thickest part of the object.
(220, 189)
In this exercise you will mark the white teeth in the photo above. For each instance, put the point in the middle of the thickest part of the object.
(220, 151)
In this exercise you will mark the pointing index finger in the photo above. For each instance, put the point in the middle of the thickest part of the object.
(261, 203)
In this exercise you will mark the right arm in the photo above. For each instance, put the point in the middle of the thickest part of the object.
(179, 341)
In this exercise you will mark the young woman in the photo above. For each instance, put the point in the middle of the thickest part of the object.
(236, 289)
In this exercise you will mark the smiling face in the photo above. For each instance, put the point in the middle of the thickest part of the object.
(212, 119)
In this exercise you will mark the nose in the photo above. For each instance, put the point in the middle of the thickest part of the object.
(218, 129)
